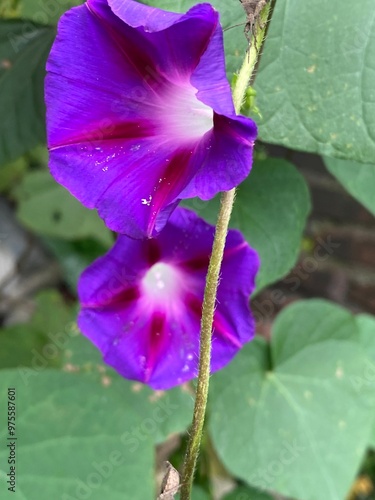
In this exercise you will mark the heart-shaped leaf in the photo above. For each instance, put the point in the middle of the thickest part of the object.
(288, 417)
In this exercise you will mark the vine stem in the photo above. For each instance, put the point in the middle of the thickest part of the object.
(212, 279)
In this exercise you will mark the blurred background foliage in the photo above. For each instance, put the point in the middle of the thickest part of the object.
(293, 416)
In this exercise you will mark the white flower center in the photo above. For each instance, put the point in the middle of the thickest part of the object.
(185, 117)
(161, 282)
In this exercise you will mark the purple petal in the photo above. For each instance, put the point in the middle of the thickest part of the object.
(141, 303)
(113, 179)
(197, 31)
(96, 89)
(209, 77)
(183, 38)
(228, 154)
(233, 312)
(138, 15)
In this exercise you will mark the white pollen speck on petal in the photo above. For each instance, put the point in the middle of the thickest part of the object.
(146, 202)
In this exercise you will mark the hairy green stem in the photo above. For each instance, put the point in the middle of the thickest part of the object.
(212, 280)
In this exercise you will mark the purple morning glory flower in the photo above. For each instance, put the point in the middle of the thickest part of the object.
(141, 302)
(140, 113)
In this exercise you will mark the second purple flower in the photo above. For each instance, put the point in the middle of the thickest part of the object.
(141, 303)
(140, 113)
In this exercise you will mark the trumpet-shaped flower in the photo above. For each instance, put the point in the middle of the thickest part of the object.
(141, 303)
(140, 113)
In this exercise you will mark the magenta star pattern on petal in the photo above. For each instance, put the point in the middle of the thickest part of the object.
(140, 113)
(141, 303)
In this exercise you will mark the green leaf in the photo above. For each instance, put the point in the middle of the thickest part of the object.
(19, 345)
(36, 344)
(48, 208)
(366, 324)
(51, 313)
(170, 411)
(292, 408)
(74, 256)
(75, 439)
(8, 8)
(12, 173)
(45, 12)
(23, 51)
(357, 178)
(271, 209)
(316, 78)
(366, 380)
